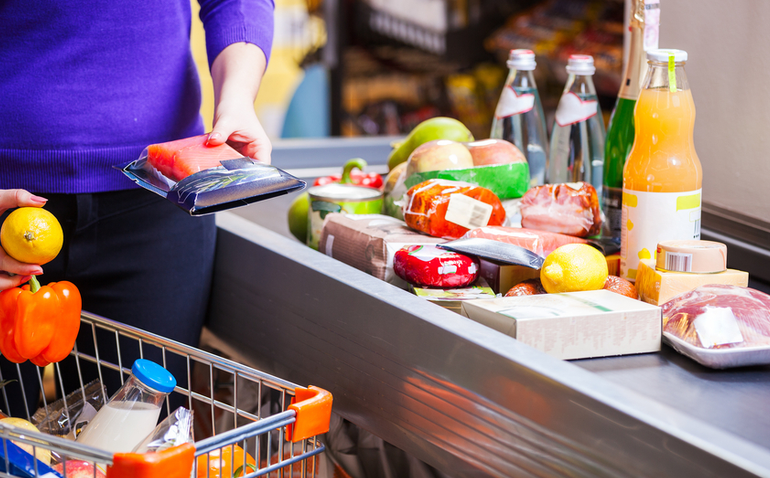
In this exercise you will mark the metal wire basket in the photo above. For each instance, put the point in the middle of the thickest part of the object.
(278, 438)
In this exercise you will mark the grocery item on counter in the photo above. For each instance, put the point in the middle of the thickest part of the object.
(429, 266)
(67, 416)
(621, 286)
(705, 257)
(541, 243)
(567, 208)
(573, 325)
(434, 128)
(574, 268)
(658, 287)
(352, 173)
(437, 155)
(393, 191)
(577, 138)
(449, 209)
(132, 413)
(527, 287)
(297, 217)
(203, 179)
(39, 323)
(32, 235)
(338, 198)
(175, 429)
(720, 326)
(494, 250)
(452, 299)
(506, 181)
(488, 152)
(661, 197)
(368, 242)
(502, 277)
(519, 116)
(643, 27)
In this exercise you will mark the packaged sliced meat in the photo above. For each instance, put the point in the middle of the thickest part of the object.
(539, 242)
(719, 316)
(567, 208)
(429, 266)
(448, 209)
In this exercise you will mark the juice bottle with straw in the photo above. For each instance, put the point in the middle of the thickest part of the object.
(662, 176)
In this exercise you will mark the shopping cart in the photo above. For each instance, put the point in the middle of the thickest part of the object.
(282, 444)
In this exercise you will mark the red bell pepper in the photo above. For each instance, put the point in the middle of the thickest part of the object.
(39, 323)
(351, 176)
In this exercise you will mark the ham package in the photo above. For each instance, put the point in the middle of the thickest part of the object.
(719, 325)
(448, 209)
(568, 208)
(429, 266)
(540, 242)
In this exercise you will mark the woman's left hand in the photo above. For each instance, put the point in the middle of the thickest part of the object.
(237, 73)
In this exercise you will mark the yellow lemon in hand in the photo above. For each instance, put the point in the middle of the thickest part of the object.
(573, 268)
(31, 235)
(42, 454)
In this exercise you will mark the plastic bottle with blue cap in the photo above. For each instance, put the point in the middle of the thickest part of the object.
(133, 412)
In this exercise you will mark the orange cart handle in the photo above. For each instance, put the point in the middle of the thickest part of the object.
(314, 411)
(175, 462)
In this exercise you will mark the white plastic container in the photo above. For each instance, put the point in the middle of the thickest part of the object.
(132, 413)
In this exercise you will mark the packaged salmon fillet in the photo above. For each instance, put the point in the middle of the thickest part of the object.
(202, 179)
(449, 209)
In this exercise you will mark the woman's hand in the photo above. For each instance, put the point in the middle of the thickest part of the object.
(12, 272)
(237, 73)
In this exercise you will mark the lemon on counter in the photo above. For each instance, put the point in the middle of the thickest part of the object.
(574, 268)
(41, 453)
(32, 235)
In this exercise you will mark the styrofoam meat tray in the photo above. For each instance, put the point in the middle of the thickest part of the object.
(720, 358)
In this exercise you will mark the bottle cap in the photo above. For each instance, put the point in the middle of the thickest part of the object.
(153, 375)
(706, 257)
(663, 54)
(581, 65)
(521, 60)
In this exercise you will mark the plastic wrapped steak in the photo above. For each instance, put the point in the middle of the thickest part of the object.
(719, 316)
(568, 208)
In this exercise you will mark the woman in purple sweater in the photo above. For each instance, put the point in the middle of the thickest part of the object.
(87, 85)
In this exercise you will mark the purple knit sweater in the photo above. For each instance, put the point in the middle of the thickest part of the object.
(87, 84)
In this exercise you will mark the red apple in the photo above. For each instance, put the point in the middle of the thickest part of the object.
(487, 152)
(438, 155)
(79, 469)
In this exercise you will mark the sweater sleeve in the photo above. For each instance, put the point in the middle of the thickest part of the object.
(233, 21)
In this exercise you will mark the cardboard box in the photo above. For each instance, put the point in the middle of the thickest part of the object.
(452, 299)
(658, 287)
(573, 325)
(368, 242)
(501, 277)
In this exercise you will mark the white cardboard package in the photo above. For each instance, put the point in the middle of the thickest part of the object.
(573, 325)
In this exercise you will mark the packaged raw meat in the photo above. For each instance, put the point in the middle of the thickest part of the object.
(720, 325)
(202, 179)
(540, 242)
(449, 209)
(429, 266)
(567, 208)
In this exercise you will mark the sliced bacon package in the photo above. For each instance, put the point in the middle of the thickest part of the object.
(449, 209)
(202, 179)
(541, 243)
(429, 266)
(720, 326)
(567, 208)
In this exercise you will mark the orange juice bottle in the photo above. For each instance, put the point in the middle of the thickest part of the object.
(662, 176)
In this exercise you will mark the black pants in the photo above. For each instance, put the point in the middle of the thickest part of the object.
(137, 259)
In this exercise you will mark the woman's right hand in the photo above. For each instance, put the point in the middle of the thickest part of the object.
(12, 272)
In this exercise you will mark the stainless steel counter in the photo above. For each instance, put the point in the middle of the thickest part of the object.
(464, 398)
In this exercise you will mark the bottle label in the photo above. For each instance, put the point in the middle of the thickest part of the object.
(650, 218)
(511, 104)
(572, 109)
(612, 199)
(651, 24)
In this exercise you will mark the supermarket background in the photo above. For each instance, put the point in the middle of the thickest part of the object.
(379, 67)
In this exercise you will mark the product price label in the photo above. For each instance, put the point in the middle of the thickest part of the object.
(650, 218)
(572, 109)
(511, 103)
(468, 212)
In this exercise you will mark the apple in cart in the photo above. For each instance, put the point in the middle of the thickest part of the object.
(79, 469)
